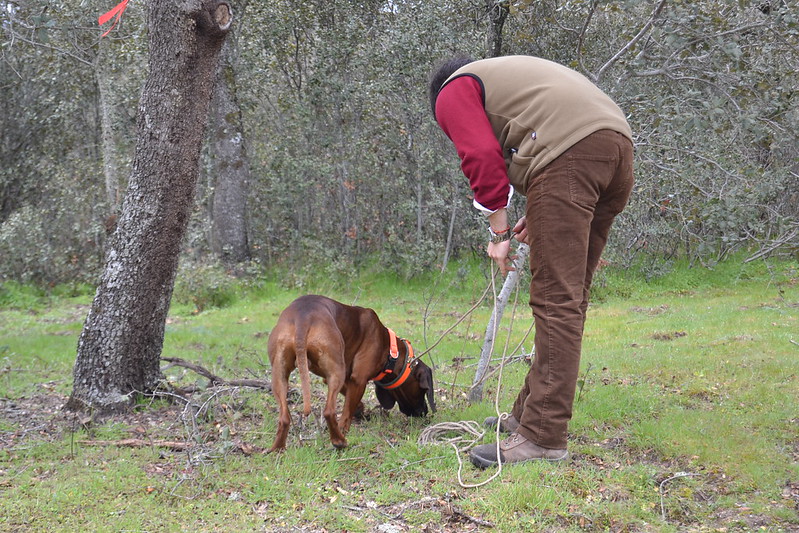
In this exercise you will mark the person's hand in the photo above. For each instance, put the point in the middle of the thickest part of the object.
(499, 252)
(520, 229)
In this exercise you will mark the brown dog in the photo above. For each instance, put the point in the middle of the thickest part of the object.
(348, 347)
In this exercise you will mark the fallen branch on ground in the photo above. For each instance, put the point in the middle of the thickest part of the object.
(139, 443)
(243, 447)
(457, 514)
(216, 380)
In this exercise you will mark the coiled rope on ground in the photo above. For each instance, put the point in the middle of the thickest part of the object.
(441, 433)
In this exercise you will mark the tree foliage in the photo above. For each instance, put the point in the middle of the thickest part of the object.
(348, 166)
(54, 210)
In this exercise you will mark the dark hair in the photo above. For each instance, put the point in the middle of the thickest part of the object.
(440, 73)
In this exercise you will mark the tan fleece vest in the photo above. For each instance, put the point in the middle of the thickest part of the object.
(539, 109)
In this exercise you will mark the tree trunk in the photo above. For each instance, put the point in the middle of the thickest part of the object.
(476, 392)
(120, 345)
(230, 166)
(109, 136)
(497, 14)
(450, 229)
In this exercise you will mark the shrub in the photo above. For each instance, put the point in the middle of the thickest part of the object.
(204, 287)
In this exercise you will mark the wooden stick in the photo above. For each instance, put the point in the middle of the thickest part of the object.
(216, 380)
(243, 447)
(139, 443)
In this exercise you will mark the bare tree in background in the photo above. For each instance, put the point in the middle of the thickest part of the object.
(230, 165)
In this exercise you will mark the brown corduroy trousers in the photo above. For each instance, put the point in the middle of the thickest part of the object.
(571, 206)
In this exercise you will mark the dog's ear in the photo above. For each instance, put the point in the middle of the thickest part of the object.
(424, 376)
(386, 398)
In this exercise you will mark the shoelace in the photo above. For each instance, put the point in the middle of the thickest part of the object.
(512, 439)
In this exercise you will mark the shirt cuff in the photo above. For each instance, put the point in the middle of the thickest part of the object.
(486, 211)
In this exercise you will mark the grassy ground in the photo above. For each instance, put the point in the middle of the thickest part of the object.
(686, 418)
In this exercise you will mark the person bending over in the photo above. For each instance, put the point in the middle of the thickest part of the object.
(529, 125)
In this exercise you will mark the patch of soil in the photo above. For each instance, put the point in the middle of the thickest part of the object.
(668, 336)
(650, 311)
(39, 416)
(43, 417)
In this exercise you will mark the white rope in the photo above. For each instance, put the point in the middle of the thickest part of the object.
(441, 434)
(436, 433)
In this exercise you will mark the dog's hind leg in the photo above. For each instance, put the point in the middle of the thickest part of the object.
(280, 387)
(334, 381)
(326, 351)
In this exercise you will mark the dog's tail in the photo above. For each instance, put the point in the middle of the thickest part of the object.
(301, 352)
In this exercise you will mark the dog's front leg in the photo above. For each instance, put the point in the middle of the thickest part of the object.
(352, 403)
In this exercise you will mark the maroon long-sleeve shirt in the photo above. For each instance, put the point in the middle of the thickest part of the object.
(460, 113)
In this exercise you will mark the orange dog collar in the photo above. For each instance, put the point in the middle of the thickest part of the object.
(393, 355)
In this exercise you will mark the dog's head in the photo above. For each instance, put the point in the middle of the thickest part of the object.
(411, 395)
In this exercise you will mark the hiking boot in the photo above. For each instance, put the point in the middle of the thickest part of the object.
(514, 449)
(509, 425)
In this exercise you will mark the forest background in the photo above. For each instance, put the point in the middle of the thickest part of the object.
(322, 154)
(322, 161)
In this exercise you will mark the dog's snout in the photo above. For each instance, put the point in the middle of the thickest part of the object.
(418, 410)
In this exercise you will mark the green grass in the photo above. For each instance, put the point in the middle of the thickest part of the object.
(686, 418)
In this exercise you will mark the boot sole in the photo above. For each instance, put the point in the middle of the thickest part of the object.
(481, 462)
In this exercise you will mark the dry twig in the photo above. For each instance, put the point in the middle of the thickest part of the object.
(216, 380)
(139, 443)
